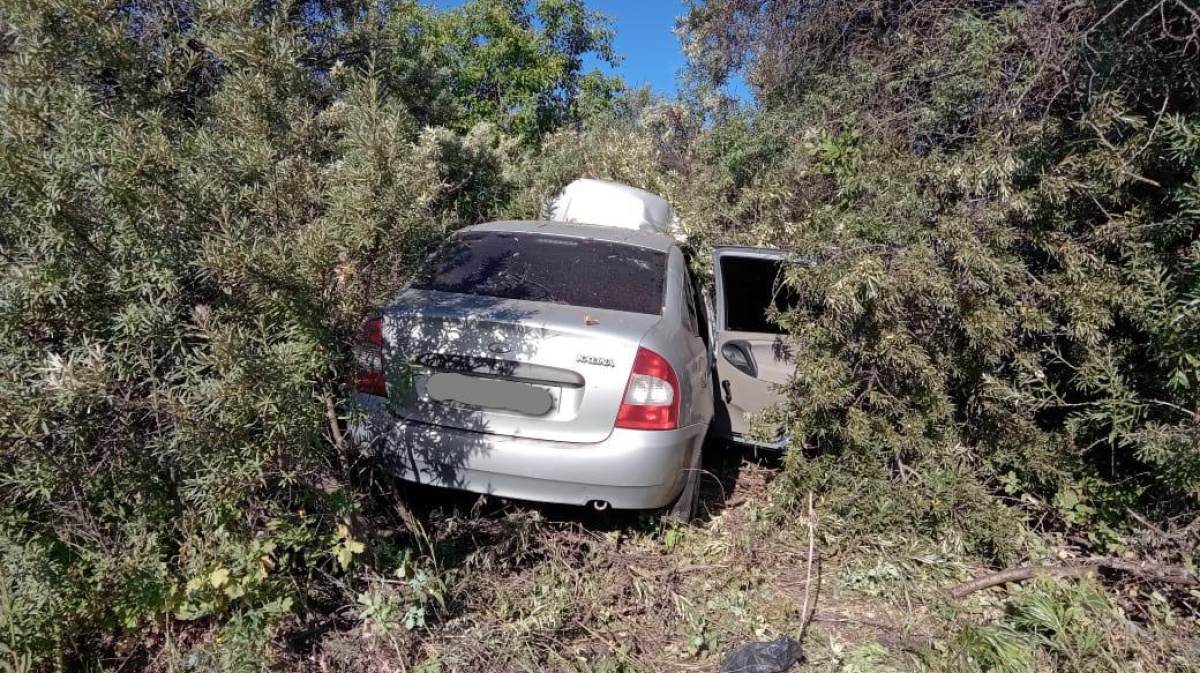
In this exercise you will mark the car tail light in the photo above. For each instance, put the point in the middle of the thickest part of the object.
(651, 396)
(368, 350)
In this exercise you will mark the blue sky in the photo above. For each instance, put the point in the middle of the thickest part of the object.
(644, 38)
(646, 41)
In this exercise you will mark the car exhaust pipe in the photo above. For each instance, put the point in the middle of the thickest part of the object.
(600, 505)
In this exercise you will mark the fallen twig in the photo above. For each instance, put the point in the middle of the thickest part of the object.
(1146, 522)
(805, 617)
(1143, 569)
(673, 570)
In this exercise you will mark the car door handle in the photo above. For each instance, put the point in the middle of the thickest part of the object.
(738, 354)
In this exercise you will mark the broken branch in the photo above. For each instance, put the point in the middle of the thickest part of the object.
(1143, 569)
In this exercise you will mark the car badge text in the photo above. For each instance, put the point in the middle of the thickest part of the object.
(593, 360)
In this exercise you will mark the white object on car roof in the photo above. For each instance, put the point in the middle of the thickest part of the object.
(611, 204)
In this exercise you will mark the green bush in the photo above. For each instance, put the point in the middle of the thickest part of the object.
(200, 203)
(1000, 203)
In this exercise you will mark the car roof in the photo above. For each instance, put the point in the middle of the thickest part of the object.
(642, 239)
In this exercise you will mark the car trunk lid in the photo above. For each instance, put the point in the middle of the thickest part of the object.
(509, 367)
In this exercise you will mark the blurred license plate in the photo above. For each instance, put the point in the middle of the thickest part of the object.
(490, 393)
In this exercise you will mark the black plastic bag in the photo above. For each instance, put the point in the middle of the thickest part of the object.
(776, 656)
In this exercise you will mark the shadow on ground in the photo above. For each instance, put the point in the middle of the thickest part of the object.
(724, 464)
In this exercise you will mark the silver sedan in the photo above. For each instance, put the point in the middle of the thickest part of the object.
(565, 363)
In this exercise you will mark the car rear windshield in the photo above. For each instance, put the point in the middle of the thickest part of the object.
(547, 268)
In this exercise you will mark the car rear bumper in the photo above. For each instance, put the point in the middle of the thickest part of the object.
(631, 469)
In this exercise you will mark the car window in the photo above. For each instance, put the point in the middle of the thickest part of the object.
(752, 286)
(548, 268)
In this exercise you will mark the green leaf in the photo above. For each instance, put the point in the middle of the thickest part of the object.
(218, 578)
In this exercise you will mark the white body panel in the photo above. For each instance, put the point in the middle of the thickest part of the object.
(612, 204)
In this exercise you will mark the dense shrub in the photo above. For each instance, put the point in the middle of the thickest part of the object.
(1000, 201)
(198, 203)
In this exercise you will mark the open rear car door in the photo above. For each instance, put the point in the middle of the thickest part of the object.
(752, 353)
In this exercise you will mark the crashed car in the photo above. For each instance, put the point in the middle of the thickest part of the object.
(567, 362)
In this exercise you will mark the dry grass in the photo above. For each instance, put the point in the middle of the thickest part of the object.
(544, 589)
(556, 589)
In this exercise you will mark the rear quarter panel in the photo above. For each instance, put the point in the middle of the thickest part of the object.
(673, 339)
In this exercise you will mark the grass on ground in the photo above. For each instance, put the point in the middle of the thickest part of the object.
(498, 587)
